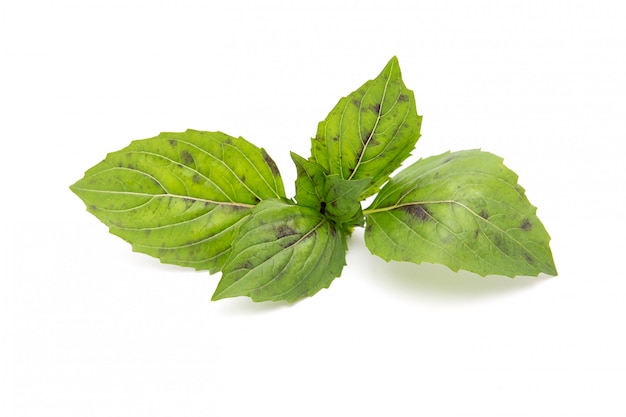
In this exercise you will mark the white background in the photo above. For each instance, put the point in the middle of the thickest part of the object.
(88, 328)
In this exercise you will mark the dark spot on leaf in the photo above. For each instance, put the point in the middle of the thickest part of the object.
(418, 211)
(484, 214)
(367, 136)
(374, 142)
(436, 176)
(270, 162)
(403, 97)
(334, 204)
(476, 233)
(187, 158)
(526, 225)
(93, 207)
(130, 166)
(228, 141)
(356, 102)
(237, 208)
(375, 108)
(173, 143)
(500, 244)
(247, 265)
(257, 200)
(323, 207)
(197, 179)
(147, 232)
(189, 201)
(449, 158)
(336, 139)
(284, 230)
(528, 258)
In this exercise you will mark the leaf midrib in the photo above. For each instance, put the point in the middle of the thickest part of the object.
(478, 216)
(165, 195)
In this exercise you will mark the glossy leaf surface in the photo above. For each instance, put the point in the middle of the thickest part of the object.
(283, 252)
(370, 132)
(180, 196)
(464, 210)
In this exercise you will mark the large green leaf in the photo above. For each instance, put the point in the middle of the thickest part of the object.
(283, 252)
(181, 196)
(370, 132)
(464, 210)
(335, 197)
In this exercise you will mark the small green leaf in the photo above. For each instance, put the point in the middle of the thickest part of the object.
(337, 198)
(370, 132)
(464, 210)
(283, 252)
(309, 183)
(343, 204)
(181, 196)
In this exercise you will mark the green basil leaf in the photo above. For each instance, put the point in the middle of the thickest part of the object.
(181, 196)
(283, 252)
(337, 198)
(370, 132)
(464, 210)
(310, 183)
(343, 204)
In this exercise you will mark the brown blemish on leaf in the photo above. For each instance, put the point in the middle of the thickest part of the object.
(365, 138)
(403, 97)
(356, 102)
(270, 162)
(528, 258)
(476, 233)
(284, 230)
(418, 211)
(237, 208)
(173, 143)
(197, 179)
(187, 158)
(500, 244)
(526, 225)
(375, 108)
(484, 214)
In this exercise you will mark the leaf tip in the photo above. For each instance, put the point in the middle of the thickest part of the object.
(392, 69)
